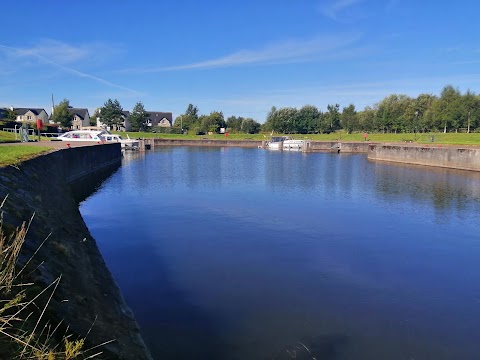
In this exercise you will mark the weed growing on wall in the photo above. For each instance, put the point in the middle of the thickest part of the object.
(25, 333)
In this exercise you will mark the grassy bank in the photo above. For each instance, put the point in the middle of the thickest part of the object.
(16, 153)
(438, 138)
(7, 136)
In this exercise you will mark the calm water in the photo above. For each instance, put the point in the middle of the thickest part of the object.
(250, 254)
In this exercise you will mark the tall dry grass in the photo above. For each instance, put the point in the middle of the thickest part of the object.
(25, 332)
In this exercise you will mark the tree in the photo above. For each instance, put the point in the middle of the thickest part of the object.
(234, 123)
(213, 122)
(10, 115)
(470, 104)
(112, 114)
(349, 118)
(270, 120)
(249, 126)
(419, 111)
(61, 114)
(331, 119)
(391, 112)
(284, 120)
(308, 118)
(192, 111)
(366, 119)
(188, 120)
(138, 117)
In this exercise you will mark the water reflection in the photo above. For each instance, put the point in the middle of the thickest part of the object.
(444, 189)
(248, 254)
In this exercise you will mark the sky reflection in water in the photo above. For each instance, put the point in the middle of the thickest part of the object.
(227, 253)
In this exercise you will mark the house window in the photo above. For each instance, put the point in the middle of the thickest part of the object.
(29, 117)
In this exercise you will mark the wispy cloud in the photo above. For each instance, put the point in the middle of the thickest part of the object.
(292, 51)
(334, 9)
(56, 51)
(59, 54)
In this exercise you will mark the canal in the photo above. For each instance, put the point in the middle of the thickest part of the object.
(230, 253)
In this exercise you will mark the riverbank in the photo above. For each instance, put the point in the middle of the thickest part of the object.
(50, 186)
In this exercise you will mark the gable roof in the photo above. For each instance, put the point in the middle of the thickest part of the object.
(80, 112)
(157, 116)
(23, 111)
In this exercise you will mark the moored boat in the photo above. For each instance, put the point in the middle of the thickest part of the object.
(285, 143)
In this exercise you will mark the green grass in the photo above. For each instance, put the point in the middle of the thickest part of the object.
(6, 136)
(438, 138)
(16, 153)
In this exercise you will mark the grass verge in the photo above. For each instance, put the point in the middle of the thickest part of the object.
(14, 154)
(7, 136)
(419, 138)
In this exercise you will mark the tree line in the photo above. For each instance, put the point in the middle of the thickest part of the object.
(451, 111)
(213, 122)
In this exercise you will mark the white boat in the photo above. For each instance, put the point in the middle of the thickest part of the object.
(82, 135)
(98, 136)
(276, 142)
(292, 144)
(285, 143)
(127, 144)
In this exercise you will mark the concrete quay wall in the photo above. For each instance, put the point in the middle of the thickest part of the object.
(204, 142)
(51, 186)
(347, 147)
(462, 158)
(335, 146)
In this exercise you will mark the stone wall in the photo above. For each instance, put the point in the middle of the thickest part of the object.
(207, 142)
(50, 187)
(340, 146)
(462, 158)
(346, 147)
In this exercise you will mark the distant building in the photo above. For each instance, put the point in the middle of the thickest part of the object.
(162, 119)
(124, 126)
(81, 118)
(155, 119)
(30, 114)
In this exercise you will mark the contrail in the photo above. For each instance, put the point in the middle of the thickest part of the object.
(73, 71)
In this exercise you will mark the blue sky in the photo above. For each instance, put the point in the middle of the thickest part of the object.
(239, 57)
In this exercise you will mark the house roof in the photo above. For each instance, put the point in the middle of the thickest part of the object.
(23, 111)
(156, 116)
(82, 113)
